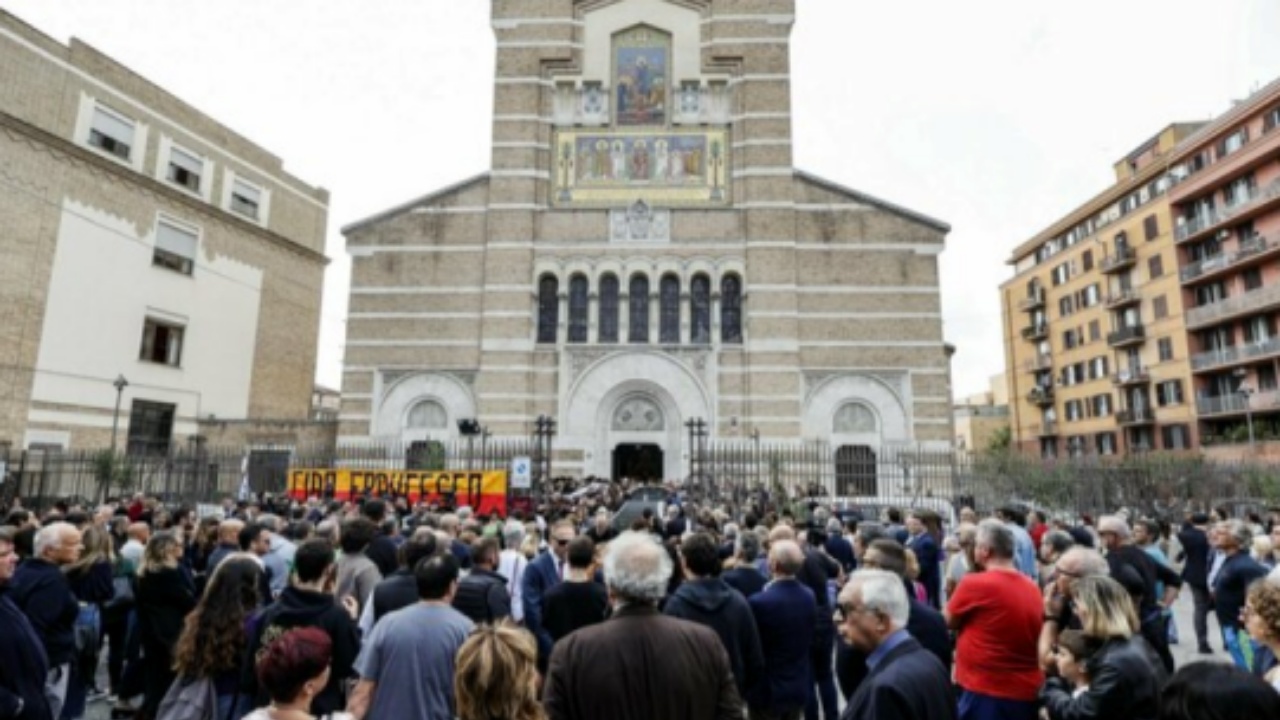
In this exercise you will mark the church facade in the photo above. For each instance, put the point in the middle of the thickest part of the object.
(643, 254)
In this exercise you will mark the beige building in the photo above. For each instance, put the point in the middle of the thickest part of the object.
(1095, 347)
(642, 253)
(980, 418)
(154, 261)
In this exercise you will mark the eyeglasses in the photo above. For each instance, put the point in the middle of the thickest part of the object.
(844, 611)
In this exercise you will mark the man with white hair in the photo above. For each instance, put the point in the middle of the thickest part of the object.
(41, 590)
(639, 664)
(905, 682)
(280, 554)
(1231, 585)
(511, 565)
(1139, 574)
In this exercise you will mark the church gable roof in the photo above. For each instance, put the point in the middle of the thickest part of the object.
(865, 199)
(439, 198)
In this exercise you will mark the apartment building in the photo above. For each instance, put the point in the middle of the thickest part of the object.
(159, 270)
(1096, 355)
(1226, 210)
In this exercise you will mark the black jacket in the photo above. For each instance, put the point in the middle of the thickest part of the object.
(382, 551)
(23, 666)
(398, 591)
(163, 600)
(908, 684)
(713, 603)
(304, 608)
(746, 579)
(1195, 549)
(1125, 678)
(1232, 585)
(482, 596)
(1133, 568)
(40, 590)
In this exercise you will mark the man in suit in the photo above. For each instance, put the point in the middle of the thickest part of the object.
(906, 682)
(1194, 539)
(921, 543)
(545, 572)
(925, 624)
(785, 614)
(640, 664)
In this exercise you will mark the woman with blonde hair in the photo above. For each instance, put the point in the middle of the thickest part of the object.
(1125, 673)
(497, 675)
(164, 596)
(91, 582)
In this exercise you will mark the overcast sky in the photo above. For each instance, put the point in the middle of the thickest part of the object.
(997, 116)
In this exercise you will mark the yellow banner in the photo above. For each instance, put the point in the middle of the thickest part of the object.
(482, 490)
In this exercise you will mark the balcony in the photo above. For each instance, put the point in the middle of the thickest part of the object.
(1234, 355)
(1042, 396)
(1048, 429)
(1038, 363)
(1257, 200)
(1034, 301)
(1126, 336)
(1234, 404)
(1123, 259)
(1264, 298)
(1130, 378)
(1255, 250)
(1124, 298)
(1134, 418)
(1035, 333)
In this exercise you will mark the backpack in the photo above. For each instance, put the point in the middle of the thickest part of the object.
(189, 699)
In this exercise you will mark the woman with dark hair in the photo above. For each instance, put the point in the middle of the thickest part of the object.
(212, 644)
(357, 574)
(1124, 673)
(164, 596)
(1217, 691)
(497, 675)
(294, 668)
(91, 582)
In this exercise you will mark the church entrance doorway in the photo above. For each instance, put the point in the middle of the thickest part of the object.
(638, 461)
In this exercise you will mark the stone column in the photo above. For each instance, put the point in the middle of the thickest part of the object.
(686, 318)
(624, 318)
(562, 319)
(593, 318)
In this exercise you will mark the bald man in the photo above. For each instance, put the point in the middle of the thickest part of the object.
(786, 614)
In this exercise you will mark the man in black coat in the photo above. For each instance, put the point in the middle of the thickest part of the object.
(1194, 539)
(400, 589)
(482, 595)
(24, 668)
(40, 589)
(706, 599)
(920, 542)
(1139, 574)
(382, 549)
(926, 625)
(905, 682)
(308, 602)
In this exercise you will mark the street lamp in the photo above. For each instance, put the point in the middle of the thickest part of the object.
(1245, 392)
(120, 384)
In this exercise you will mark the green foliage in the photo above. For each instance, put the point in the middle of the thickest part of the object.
(1001, 440)
(113, 472)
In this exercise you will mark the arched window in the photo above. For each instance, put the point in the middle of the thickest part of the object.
(578, 309)
(700, 302)
(548, 308)
(856, 471)
(608, 309)
(731, 309)
(855, 417)
(638, 331)
(669, 311)
(427, 415)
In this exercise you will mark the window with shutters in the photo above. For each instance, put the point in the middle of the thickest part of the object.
(246, 199)
(731, 310)
(1095, 331)
(175, 247)
(1105, 443)
(1160, 307)
(1252, 278)
(184, 169)
(1086, 260)
(150, 427)
(700, 307)
(1155, 266)
(669, 310)
(638, 315)
(548, 309)
(1168, 393)
(112, 133)
(162, 342)
(608, 330)
(1175, 437)
(578, 309)
(1151, 227)
(1165, 347)
(1271, 120)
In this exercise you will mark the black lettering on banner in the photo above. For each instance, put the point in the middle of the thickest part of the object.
(475, 489)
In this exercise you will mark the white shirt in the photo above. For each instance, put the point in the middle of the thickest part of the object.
(511, 565)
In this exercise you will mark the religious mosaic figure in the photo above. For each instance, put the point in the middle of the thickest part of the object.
(619, 157)
(660, 160)
(641, 59)
(640, 160)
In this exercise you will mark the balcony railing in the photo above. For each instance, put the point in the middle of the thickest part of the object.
(1251, 301)
(1033, 301)
(1132, 376)
(1258, 245)
(1035, 332)
(1144, 416)
(1048, 429)
(1235, 354)
(1213, 218)
(1235, 403)
(1041, 396)
(1123, 258)
(1038, 363)
(1127, 336)
(1123, 298)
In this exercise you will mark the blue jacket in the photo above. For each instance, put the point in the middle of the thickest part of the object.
(41, 591)
(23, 666)
(746, 579)
(925, 624)
(926, 550)
(539, 576)
(785, 613)
(711, 602)
(908, 684)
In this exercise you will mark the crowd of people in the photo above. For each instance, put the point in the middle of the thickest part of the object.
(284, 609)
